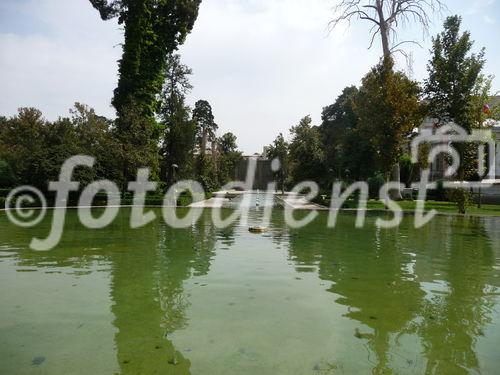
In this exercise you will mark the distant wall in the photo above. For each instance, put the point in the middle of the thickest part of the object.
(489, 195)
(263, 173)
(496, 134)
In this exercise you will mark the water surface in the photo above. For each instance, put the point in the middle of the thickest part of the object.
(204, 301)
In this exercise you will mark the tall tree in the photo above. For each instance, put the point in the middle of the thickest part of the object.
(389, 109)
(23, 147)
(96, 138)
(306, 152)
(454, 75)
(349, 151)
(229, 157)
(481, 99)
(227, 143)
(206, 166)
(7, 178)
(339, 119)
(179, 128)
(453, 89)
(153, 30)
(385, 17)
(280, 150)
(205, 124)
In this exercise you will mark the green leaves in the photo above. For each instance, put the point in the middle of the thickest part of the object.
(205, 124)
(153, 31)
(455, 90)
(229, 157)
(389, 109)
(179, 129)
(34, 149)
(227, 143)
(280, 150)
(7, 178)
(306, 151)
(107, 10)
(453, 75)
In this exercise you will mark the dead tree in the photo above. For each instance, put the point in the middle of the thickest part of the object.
(386, 16)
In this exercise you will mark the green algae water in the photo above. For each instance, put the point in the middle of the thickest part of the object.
(158, 300)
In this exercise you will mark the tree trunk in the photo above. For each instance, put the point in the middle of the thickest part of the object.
(395, 194)
(215, 154)
(384, 30)
(204, 142)
(385, 42)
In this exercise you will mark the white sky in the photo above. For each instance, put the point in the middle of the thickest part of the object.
(262, 64)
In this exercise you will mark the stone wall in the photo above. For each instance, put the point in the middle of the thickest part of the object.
(263, 173)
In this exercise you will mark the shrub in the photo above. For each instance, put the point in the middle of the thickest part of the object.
(374, 184)
(7, 178)
(441, 194)
(4, 192)
(406, 167)
(461, 197)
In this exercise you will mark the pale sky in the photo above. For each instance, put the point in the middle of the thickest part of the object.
(262, 64)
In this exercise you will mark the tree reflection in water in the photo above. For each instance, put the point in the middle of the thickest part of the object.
(149, 299)
(418, 301)
(388, 279)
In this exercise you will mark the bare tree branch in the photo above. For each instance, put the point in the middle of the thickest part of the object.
(395, 47)
(386, 16)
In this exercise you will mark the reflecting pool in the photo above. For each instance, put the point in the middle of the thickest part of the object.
(203, 300)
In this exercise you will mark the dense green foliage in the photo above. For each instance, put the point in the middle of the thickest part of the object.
(457, 91)
(307, 154)
(208, 171)
(453, 75)
(388, 109)
(280, 150)
(179, 128)
(455, 85)
(228, 158)
(154, 128)
(6, 174)
(362, 135)
(34, 149)
(205, 125)
(366, 133)
(227, 143)
(153, 29)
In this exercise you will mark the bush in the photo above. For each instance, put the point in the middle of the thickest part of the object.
(461, 197)
(4, 192)
(36, 203)
(406, 167)
(441, 194)
(375, 183)
(7, 178)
